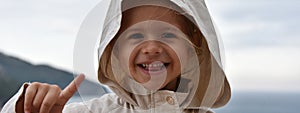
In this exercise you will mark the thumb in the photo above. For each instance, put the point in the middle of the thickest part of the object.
(70, 90)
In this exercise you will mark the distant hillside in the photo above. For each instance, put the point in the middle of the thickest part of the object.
(14, 72)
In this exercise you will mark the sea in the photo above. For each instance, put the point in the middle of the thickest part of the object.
(262, 102)
(252, 102)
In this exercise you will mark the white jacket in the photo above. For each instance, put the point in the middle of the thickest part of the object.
(193, 95)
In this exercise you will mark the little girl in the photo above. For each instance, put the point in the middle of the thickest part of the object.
(155, 55)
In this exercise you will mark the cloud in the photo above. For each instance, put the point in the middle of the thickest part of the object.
(264, 69)
(261, 39)
(42, 31)
(257, 23)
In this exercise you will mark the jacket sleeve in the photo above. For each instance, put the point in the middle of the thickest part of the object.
(16, 103)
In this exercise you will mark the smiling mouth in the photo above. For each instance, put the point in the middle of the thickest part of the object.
(153, 67)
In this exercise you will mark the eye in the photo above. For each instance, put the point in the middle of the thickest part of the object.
(168, 35)
(136, 36)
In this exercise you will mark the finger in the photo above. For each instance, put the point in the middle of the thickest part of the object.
(29, 96)
(70, 90)
(40, 95)
(50, 99)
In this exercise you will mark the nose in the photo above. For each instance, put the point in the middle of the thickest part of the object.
(152, 48)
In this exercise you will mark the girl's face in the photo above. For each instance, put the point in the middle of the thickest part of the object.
(152, 46)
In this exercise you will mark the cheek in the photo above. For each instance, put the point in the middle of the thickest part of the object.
(123, 58)
(126, 59)
(121, 54)
(122, 50)
(182, 54)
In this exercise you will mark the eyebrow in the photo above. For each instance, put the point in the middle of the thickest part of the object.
(133, 29)
(169, 28)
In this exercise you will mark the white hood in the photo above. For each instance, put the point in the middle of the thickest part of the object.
(211, 90)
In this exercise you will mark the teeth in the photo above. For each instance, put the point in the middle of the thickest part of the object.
(152, 65)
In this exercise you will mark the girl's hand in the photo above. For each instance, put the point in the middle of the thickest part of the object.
(46, 98)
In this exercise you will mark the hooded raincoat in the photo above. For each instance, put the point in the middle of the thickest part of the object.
(201, 88)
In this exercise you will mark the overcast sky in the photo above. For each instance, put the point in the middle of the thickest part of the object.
(261, 37)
